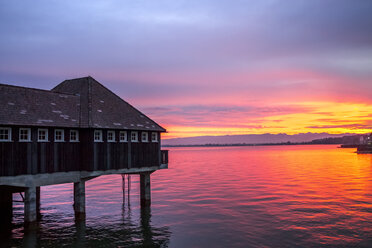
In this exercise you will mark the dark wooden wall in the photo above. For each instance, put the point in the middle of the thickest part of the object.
(17, 158)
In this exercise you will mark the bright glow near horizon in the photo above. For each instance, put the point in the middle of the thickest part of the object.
(329, 117)
(204, 67)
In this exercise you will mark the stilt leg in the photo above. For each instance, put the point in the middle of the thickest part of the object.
(30, 205)
(123, 187)
(79, 199)
(38, 214)
(6, 209)
(128, 178)
(145, 189)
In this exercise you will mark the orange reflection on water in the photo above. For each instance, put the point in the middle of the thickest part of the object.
(266, 196)
(319, 193)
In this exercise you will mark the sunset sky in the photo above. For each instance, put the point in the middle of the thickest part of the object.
(204, 67)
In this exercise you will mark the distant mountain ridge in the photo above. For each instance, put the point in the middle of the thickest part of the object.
(251, 139)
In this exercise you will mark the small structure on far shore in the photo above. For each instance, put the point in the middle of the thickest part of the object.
(366, 144)
(77, 131)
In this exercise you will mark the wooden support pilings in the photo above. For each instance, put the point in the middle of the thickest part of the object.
(31, 196)
(123, 187)
(30, 205)
(38, 213)
(31, 200)
(123, 183)
(6, 207)
(129, 182)
(126, 192)
(145, 188)
(79, 199)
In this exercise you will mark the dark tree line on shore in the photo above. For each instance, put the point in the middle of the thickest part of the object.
(346, 140)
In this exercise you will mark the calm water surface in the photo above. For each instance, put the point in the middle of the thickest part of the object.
(274, 196)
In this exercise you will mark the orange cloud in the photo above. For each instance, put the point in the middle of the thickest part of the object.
(330, 117)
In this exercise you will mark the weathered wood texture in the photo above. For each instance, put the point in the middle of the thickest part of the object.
(17, 158)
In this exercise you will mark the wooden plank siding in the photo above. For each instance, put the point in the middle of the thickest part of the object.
(17, 158)
(144, 154)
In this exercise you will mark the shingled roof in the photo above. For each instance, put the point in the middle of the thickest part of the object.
(80, 102)
(34, 107)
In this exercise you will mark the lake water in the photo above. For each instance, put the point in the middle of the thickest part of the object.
(272, 196)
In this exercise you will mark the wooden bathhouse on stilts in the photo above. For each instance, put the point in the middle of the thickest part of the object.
(77, 131)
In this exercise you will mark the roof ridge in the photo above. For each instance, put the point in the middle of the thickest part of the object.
(35, 89)
(87, 77)
(124, 101)
(88, 87)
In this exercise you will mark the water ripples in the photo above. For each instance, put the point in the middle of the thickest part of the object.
(285, 196)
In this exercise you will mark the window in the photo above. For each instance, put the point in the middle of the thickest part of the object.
(154, 137)
(145, 137)
(123, 136)
(42, 135)
(24, 134)
(59, 135)
(134, 136)
(97, 135)
(111, 136)
(74, 136)
(5, 134)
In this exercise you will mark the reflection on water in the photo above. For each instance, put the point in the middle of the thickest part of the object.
(130, 228)
(278, 196)
(127, 234)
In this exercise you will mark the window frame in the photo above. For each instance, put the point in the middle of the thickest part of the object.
(156, 140)
(125, 136)
(62, 135)
(77, 135)
(9, 129)
(113, 136)
(136, 136)
(100, 136)
(29, 139)
(46, 135)
(146, 138)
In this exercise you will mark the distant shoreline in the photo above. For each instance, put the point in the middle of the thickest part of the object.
(265, 140)
(243, 144)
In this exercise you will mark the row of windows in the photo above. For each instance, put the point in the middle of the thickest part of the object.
(59, 135)
(123, 136)
(42, 135)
